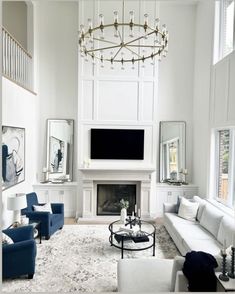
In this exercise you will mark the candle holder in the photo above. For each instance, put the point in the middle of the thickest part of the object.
(224, 277)
(231, 273)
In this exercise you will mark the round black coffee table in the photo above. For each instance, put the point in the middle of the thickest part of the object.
(134, 235)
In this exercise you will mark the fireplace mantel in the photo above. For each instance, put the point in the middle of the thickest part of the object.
(91, 176)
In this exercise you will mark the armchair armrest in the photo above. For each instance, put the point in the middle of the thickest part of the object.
(181, 284)
(27, 246)
(42, 216)
(20, 234)
(57, 207)
(169, 207)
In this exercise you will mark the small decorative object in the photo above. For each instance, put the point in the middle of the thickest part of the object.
(183, 172)
(24, 220)
(45, 175)
(173, 175)
(13, 156)
(231, 273)
(124, 205)
(224, 277)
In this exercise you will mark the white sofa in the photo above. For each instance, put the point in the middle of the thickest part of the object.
(207, 233)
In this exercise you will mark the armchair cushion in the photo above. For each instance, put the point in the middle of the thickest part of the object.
(44, 207)
(6, 240)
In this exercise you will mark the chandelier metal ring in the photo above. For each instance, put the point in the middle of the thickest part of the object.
(90, 41)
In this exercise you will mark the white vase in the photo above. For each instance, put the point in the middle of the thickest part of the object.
(123, 214)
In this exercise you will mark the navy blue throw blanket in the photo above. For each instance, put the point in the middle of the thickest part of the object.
(199, 270)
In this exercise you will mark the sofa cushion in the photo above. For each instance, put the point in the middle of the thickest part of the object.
(173, 219)
(211, 218)
(226, 230)
(211, 246)
(202, 204)
(188, 209)
(144, 275)
(193, 232)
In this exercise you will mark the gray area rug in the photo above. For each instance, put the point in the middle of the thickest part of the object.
(80, 258)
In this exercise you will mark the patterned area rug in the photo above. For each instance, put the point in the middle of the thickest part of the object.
(80, 258)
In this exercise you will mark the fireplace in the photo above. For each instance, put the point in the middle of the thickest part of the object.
(109, 196)
(140, 178)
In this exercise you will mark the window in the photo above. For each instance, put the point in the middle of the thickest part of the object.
(223, 158)
(224, 28)
(224, 184)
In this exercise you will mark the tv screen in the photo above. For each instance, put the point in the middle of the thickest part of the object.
(117, 144)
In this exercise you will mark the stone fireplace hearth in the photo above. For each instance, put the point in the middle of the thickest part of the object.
(139, 178)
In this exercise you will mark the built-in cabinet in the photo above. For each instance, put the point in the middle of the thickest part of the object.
(170, 193)
(59, 193)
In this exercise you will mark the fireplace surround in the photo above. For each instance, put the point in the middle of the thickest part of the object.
(142, 178)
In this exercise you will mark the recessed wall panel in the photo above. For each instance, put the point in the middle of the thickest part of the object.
(87, 100)
(231, 96)
(118, 101)
(220, 98)
(148, 101)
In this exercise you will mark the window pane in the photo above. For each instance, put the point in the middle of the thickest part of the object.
(223, 164)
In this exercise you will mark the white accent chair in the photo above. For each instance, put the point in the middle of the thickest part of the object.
(151, 275)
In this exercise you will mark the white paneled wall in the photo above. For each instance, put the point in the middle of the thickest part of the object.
(117, 98)
(223, 92)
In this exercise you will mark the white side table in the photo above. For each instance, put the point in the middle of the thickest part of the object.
(225, 286)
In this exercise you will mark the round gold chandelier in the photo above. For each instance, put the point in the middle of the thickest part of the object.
(123, 42)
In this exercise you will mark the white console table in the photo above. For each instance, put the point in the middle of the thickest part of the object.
(169, 193)
(59, 193)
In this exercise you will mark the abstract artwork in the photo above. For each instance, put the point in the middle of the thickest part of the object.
(13, 156)
(57, 155)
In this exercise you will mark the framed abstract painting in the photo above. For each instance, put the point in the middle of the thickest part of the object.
(13, 156)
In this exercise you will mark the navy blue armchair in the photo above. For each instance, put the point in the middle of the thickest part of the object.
(18, 259)
(50, 222)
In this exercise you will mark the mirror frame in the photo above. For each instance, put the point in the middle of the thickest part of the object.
(161, 180)
(60, 176)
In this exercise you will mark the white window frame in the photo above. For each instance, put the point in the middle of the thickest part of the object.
(214, 175)
(219, 29)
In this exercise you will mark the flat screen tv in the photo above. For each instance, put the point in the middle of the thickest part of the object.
(117, 144)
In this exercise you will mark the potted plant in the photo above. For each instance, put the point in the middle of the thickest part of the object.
(124, 204)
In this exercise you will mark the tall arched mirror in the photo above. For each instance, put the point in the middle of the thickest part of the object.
(172, 151)
(60, 149)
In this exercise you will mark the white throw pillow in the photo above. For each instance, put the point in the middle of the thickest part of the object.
(202, 204)
(46, 207)
(6, 240)
(211, 219)
(188, 209)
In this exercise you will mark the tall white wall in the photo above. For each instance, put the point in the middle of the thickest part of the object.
(201, 102)
(14, 17)
(176, 72)
(56, 43)
(19, 109)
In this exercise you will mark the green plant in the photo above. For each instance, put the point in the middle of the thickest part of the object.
(124, 203)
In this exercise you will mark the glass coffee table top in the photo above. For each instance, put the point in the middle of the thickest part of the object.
(135, 236)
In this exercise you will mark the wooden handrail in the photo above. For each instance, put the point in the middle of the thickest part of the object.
(12, 37)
